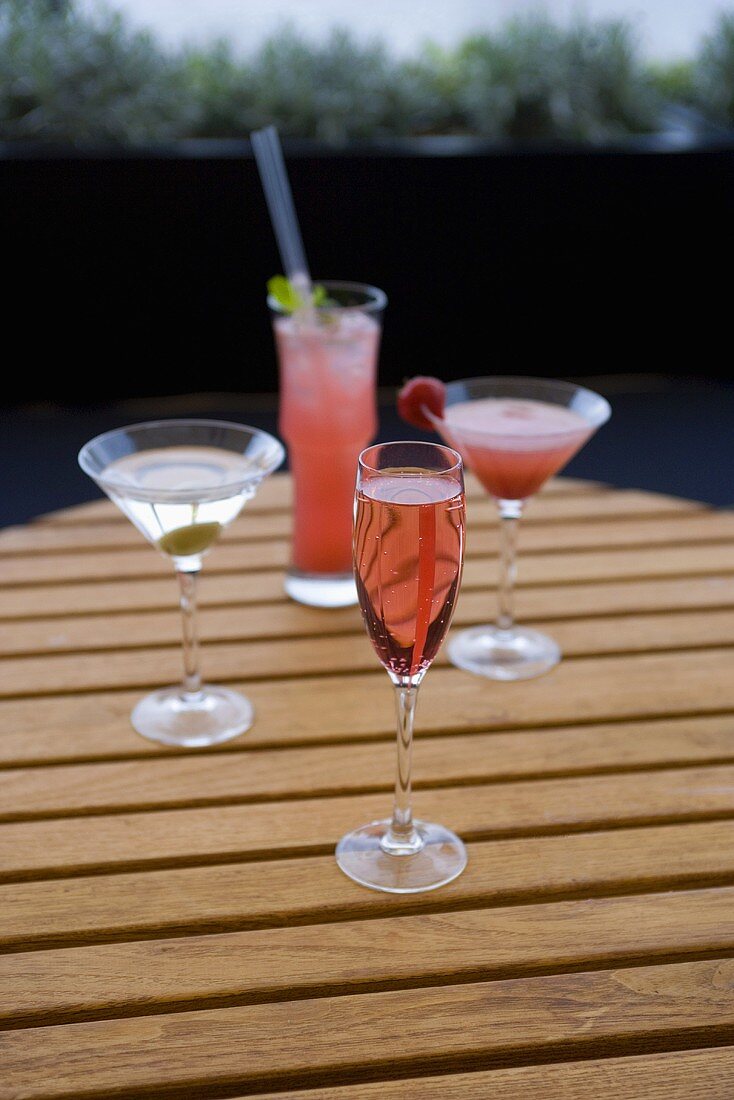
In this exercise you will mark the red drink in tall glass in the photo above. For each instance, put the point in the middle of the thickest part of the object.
(327, 358)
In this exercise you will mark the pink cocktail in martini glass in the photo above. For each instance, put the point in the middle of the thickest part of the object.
(513, 433)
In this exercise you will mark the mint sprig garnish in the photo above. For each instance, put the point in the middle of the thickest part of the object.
(289, 299)
(319, 297)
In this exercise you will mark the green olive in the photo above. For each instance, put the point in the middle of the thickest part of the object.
(184, 542)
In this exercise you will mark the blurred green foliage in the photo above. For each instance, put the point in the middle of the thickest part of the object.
(334, 92)
(535, 79)
(675, 80)
(74, 77)
(69, 78)
(714, 72)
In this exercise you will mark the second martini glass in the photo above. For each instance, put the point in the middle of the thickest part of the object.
(514, 433)
(181, 482)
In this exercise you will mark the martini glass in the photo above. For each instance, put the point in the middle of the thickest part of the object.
(514, 433)
(408, 553)
(181, 482)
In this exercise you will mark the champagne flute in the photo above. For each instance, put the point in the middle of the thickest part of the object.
(181, 482)
(513, 433)
(409, 532)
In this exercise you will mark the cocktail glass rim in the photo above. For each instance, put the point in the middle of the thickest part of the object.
(547, 384)
(456, 467)
(375, 302)
(165, 495)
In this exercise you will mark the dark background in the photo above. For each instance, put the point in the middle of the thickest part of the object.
(135, 287)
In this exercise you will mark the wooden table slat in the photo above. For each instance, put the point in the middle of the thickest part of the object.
(227, 598)
(285, 623)
(357, 768)
(609, 529)
(276, 495)
(587, 1014)
(695, 1074)
(223, 897)
(282, 964)
(606, 689)
(142, 560)
(299, 657)
(131, 839)
(348, 708)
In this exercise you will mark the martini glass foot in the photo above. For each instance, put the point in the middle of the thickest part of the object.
(192, 720)
(436, 857)
(516, 654)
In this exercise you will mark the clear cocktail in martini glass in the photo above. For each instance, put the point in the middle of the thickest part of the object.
(513, 433)
(181, 482)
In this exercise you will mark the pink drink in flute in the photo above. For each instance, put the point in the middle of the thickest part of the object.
(409, 529)
(327, 359)
(408, 543)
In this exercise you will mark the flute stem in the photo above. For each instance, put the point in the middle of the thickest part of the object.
(402, 838)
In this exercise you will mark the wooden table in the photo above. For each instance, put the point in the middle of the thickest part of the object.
(173, 924)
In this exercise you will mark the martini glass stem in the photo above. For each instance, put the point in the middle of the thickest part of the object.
(402, 838)
(510, 512)
(187, 581)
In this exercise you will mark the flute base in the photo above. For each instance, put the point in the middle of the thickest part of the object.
(195, 720)
(438, 858)
(516, 654)
(321, 589)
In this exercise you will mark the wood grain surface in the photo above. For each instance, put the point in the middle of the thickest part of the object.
(173, 923)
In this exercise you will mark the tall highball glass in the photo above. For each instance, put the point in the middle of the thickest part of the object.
(327, 360)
